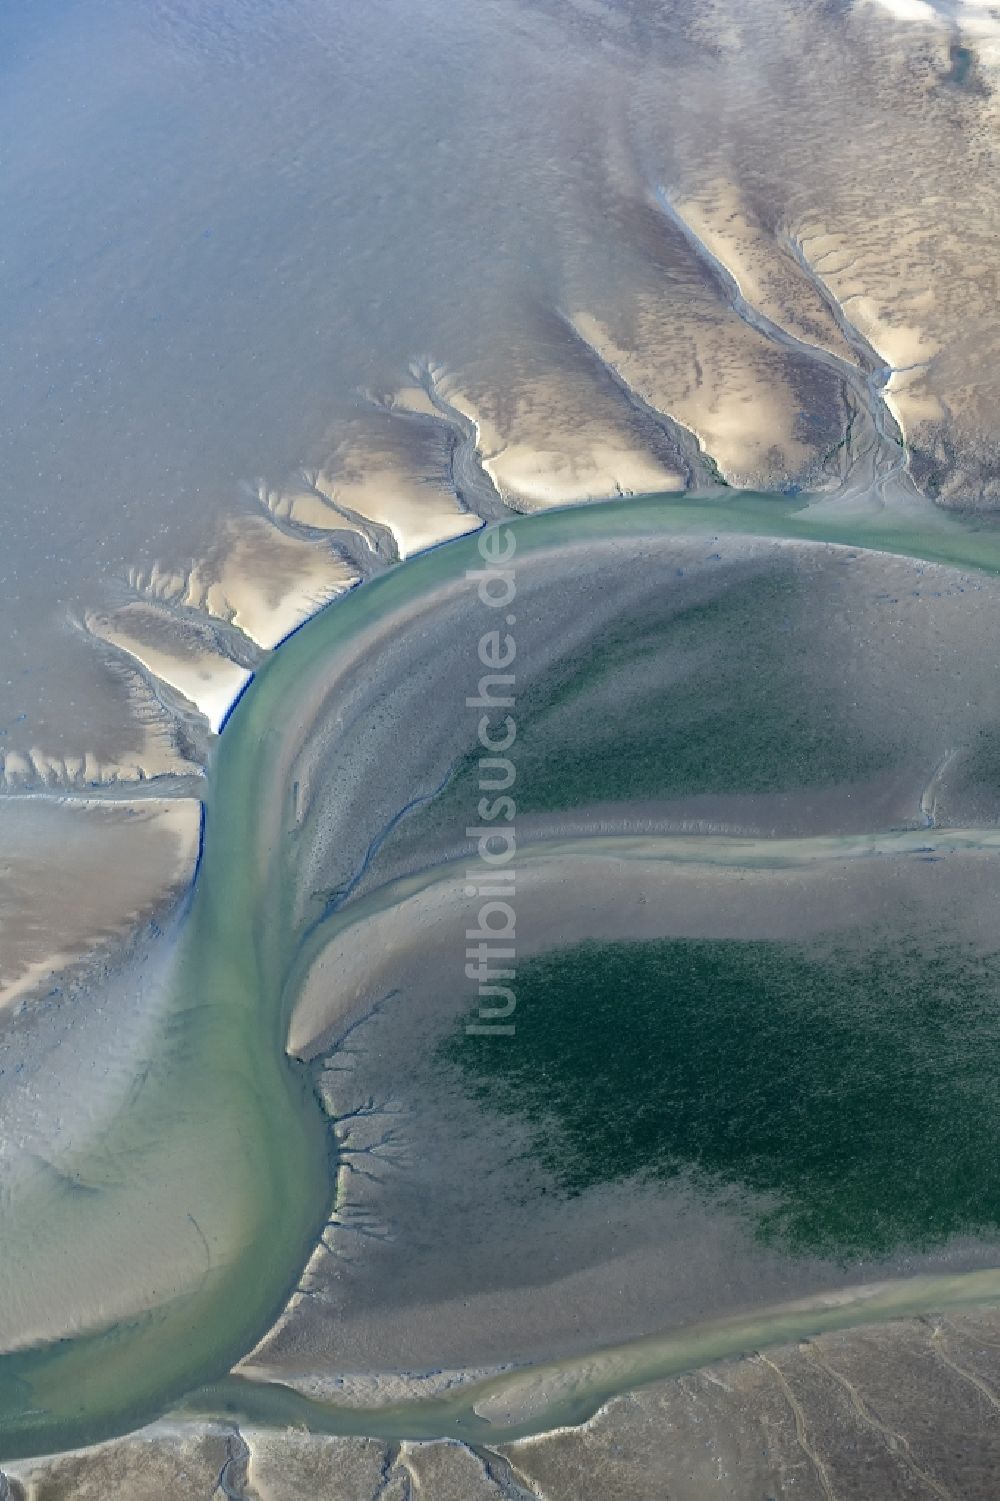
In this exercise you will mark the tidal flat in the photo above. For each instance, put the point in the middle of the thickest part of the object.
(343, 329)
(223, 1147)
(565, 1207)
(846, 1085)
(298, 299)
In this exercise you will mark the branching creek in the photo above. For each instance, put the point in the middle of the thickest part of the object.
(227, 1112)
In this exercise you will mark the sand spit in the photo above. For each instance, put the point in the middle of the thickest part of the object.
(742, 407)
(181, 653)
(392, 471)
(766, 272)
(164, 668)
(558, 432)
(189, 639)
(256, 577)
(54, 916)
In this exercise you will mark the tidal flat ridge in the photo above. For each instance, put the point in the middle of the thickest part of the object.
(272, 889)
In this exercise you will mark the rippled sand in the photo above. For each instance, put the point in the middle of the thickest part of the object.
(675, 262)
(54, 915)
(833, 1417)
(294, 297)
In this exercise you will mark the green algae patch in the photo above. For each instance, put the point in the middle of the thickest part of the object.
(222, 1097)
(848, 1092)
(717, 696)
(687, 693)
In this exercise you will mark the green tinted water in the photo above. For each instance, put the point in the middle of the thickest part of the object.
(222, 1111)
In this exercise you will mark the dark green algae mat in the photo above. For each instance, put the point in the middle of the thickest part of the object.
(844, 1095)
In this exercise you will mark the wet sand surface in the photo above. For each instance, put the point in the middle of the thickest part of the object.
(319, 301)
(907, 1407)
(506, 1266)
(319, 854)
(602, 1263)
(53, 914)
(502, 1264)
(294, 296)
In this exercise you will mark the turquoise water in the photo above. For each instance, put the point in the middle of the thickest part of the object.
(224, 1111)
